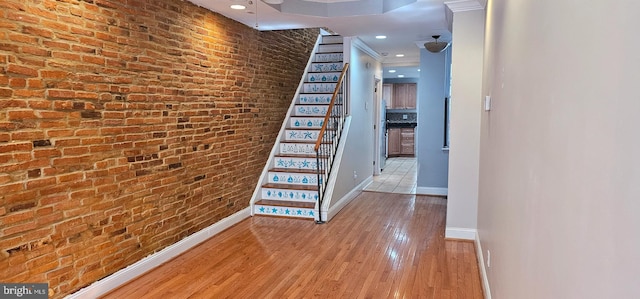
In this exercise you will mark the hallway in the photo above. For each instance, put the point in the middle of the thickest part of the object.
(381, 245)
(398, 176)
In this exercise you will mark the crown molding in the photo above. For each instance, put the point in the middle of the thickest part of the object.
(465, 5)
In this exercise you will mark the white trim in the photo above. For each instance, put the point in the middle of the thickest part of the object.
(483, 271)
(333, 176)
(460, 233)
(123, 276)
(338, 206)
(463, 5)
(359, 44)
(432, 191)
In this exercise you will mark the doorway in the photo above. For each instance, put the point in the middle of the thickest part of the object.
(398, 176)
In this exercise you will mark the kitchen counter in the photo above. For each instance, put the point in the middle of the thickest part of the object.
(401, 124)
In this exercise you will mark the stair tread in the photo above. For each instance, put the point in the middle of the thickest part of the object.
(292, 170)
(299, 156)
(282, 203)
(290, 186)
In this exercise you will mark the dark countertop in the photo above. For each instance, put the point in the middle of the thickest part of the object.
(401, 124)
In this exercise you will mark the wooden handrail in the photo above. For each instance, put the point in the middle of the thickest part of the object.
(331, 104)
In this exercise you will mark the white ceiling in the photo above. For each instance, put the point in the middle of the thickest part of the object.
(406, 27)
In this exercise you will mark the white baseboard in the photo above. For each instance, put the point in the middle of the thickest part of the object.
(123, 276)
(483, 271)
(333, 210)
(460, 233)
(432, 191)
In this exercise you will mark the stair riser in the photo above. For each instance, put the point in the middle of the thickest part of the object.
(319, 87)
(289, 195)
(315, 98)
(323, 77)
(314, 110)
(327, 67)
(295, 163)
(304, 179)
(330, 48)
(332, 39)
(306, 122)
(284, 211)
(328, 57)
(302, 135)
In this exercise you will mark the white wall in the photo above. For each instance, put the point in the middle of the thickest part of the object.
(559, 195)
(466, 109)
(359, 150)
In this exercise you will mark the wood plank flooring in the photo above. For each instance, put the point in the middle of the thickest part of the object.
(380, 246)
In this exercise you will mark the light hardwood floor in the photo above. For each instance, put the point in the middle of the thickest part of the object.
(381, 245)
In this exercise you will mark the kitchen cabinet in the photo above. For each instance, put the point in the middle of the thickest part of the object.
(394, 144)
(404, 95)
(401, 142)
(407, 142)
(387, 94)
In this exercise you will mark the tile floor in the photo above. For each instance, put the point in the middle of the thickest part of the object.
(398, 176)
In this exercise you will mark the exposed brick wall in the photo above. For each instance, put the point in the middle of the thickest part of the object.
(126, 126)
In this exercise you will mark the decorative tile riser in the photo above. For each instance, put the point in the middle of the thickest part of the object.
(302, 135)
(289, 195)
(323, 77)
(306, 179)
(284, 211)
(306, 122)
(327, 67)
(297, 149)
(295, 163)
(328, 57)
(330, 48)
(332, 39)
(314, 110)
(315, 98)
(318, 87)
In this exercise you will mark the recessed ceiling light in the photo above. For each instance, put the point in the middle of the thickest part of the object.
(399, 55)
(400, 76)
(381, 36)
(238, 6)
(392, 71)
(418, 70)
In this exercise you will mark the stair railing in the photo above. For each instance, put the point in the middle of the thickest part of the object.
(329, 136)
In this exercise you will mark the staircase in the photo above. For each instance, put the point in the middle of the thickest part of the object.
(290, 188)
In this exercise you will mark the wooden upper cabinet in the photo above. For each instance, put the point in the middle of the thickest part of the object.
(405, 95)
(387, 94)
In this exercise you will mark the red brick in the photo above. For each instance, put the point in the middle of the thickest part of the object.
(22, 70)
(5, 148)
(25, 93)
(61, 94)
(21, 115)
(19, 228)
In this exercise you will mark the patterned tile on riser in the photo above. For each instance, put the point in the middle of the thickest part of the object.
(323, 77)
(302, 135)
(307, 179)
(318, 87)
(289, 194)
(315, 98)
(298, 163)
(310, 110)
(329, 57)
(306, 122)
(284, 211)
(326, 67)
(298, 149)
